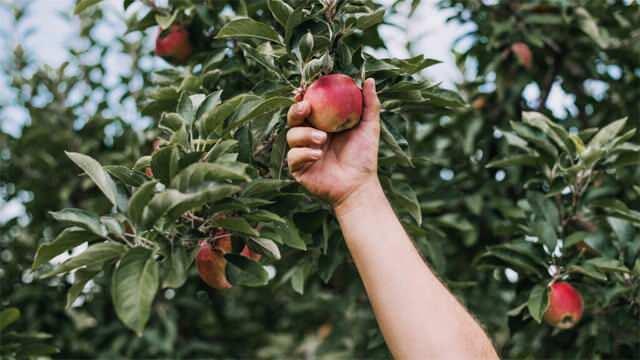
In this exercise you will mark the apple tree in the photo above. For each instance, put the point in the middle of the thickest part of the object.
(192, 234)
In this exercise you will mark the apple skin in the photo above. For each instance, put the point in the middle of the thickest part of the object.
(174, 45)
(336, 103)
(211, 264)
(565, 306)
(523, 54)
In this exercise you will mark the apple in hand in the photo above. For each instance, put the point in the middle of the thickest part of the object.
(336, 103)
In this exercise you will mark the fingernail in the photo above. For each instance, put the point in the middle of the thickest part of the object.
(316, 153)
(318, 136)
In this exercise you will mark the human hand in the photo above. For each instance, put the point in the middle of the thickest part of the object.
(333, 166)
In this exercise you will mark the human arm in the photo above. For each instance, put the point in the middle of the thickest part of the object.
(418, 316)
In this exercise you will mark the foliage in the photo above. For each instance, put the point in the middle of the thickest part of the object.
(501, 185)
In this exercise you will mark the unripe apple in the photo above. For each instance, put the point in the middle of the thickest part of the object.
(250, 254)
(565, 306)
(336, 103)
(211, 265)
(173, 44)
(523, 54)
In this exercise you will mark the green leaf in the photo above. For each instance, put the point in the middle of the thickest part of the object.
(291, 235)
(499, 257)
(66, 240)
(544, 208)
(134, 285)
(164, 164)
(8, 316)
(587, 271)
(140, 199)
(575, 238)
(606, 134)
(265, 216)
(172, 203)
(365, 21)
(538, 302)
(213, 120)
(209, 104)
(536, 139)
(100, 177)
(265, 60)
(81, 278)
(171, 121)
(248, 28)
(590, 27)
(296, 18)
(125, 175)
(299, 277)
(185, 108)
(618, 209)
(305, 46)
(280, 11)
(34, 350)
(220, 148)
(164, 21)
(82, 5)
(278, 154)
(238, 225)
(606, 264)
(266, 247)
(391, 141)
(623, 229)
(262, 108)
(245, 272)
(405, 198)
(94, 255)
(80, 218)
(201, 175)
(177, 267)
(264, 186)
(545, 232)
(554, 131)
(515, 160)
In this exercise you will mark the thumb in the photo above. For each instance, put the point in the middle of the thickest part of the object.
(371, 113)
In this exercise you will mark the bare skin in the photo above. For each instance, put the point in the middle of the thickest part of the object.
(418, 316)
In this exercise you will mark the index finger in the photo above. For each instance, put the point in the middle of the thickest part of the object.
(298, 112)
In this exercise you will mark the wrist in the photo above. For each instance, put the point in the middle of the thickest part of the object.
(362, 196)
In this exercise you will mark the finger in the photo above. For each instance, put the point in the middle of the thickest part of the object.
(303, 136)
(371, 113)
(298, 112)
(300, 156)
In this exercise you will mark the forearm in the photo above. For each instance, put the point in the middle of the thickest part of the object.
(418, 316)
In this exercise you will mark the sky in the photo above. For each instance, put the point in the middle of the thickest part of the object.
(51, 28)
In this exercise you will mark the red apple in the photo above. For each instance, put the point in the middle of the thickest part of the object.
(565, 306)
(173, 44)
(211, 265)
(523, 54)
(336, 103)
